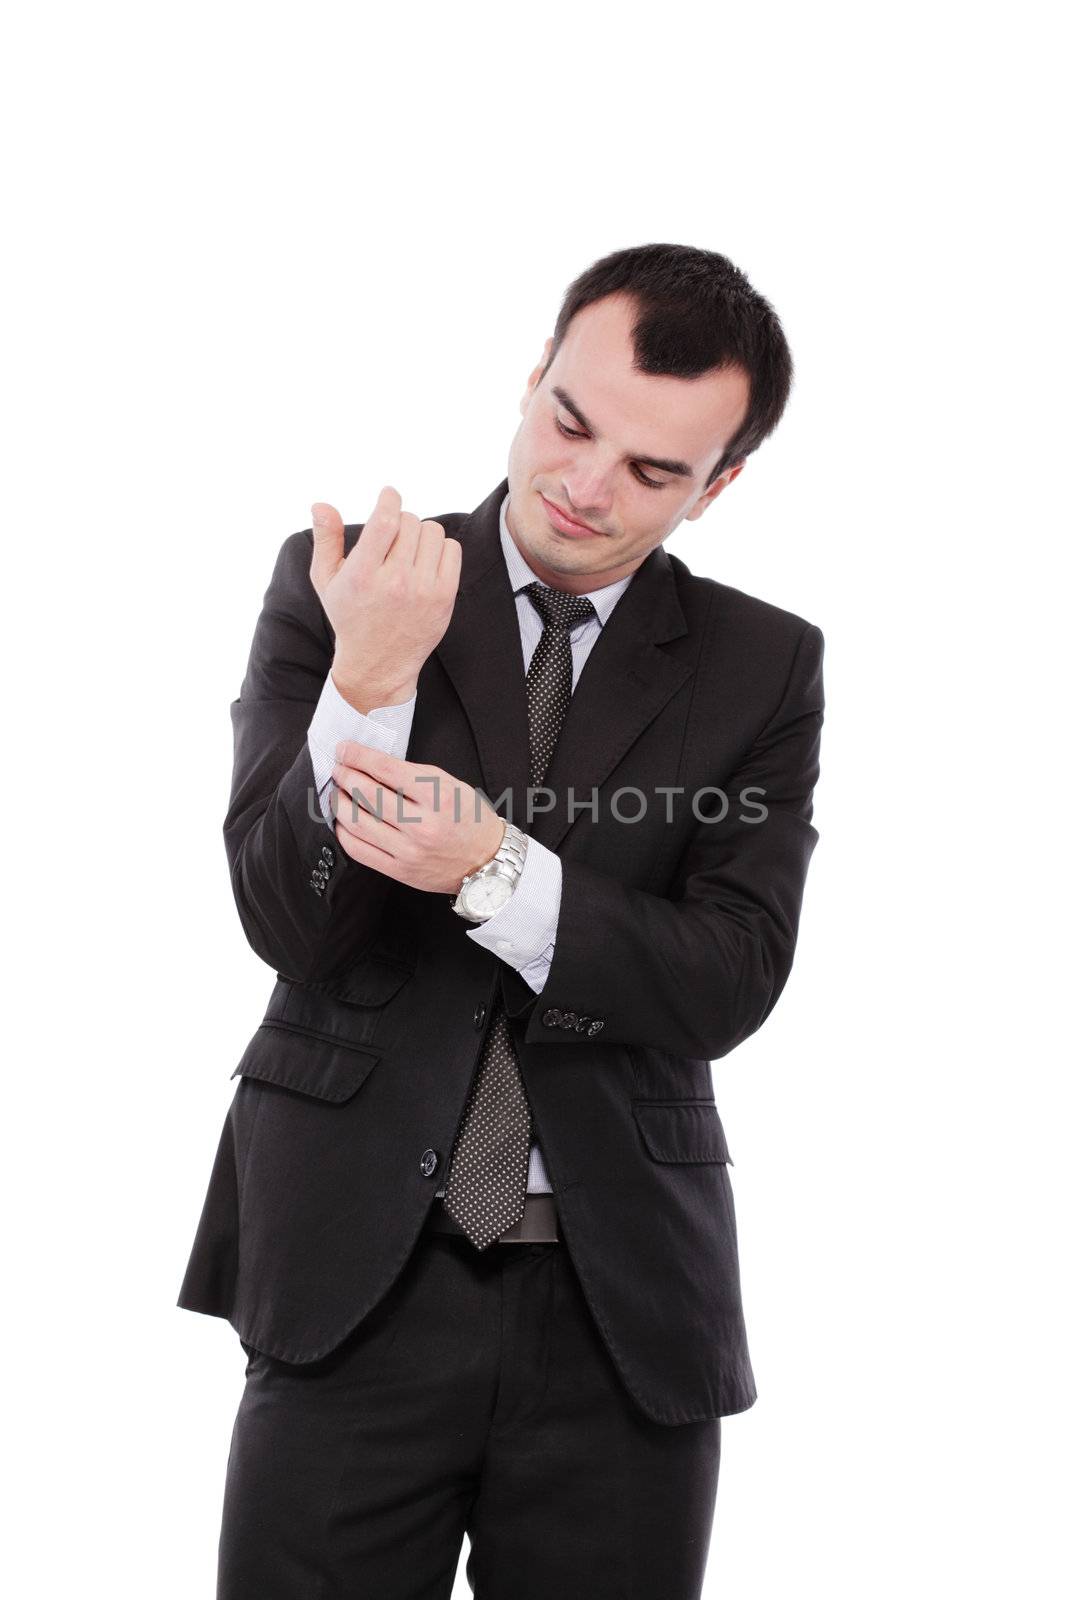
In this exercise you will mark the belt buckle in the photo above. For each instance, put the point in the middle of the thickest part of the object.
(537, 1225)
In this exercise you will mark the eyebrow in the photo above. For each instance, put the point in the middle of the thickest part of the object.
(680, 469)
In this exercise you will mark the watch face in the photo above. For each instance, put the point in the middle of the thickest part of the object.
(486, 895)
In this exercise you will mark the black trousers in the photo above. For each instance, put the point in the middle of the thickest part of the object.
(476, 1398)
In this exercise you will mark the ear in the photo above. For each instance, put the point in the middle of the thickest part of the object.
(536, 375)
(713, 491)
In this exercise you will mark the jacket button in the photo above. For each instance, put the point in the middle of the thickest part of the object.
(327, 855)
(581, 1024)
(428, 1164)
(317, 888)
(323, 867)
(596, 1025)
(550, 1018)
(479, 1015)
(568, 1019)
(317, 880)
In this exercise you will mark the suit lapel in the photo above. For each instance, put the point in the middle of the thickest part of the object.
(481, 652)
(625, 681)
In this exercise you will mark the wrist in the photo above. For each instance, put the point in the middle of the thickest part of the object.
(366, 693)
(496, 838)
(485, 853)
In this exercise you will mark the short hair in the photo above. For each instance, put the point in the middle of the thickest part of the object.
(696, 313)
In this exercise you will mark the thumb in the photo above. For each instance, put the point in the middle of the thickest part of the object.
(328, 533)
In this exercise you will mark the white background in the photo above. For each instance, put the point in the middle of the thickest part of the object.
(259, 256)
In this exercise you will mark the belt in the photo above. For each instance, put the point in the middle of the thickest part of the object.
(537, 1225)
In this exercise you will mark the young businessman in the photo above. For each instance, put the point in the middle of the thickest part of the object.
(521, 816)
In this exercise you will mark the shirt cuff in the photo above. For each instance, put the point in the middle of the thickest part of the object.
(523, 932)
(386, 728)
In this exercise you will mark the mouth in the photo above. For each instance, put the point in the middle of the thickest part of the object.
(566, 524)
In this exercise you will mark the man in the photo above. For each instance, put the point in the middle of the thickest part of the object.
(521, 817)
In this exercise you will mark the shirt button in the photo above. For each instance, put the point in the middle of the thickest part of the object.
(428, 1163)
(503, 944)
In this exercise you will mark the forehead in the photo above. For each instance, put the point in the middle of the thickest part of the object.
(644, 414)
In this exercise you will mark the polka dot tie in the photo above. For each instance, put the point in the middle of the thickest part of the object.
(486, 1187)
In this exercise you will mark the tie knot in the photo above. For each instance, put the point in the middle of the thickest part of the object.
(555, 606)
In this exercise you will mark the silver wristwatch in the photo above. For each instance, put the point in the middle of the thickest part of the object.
(484, 891)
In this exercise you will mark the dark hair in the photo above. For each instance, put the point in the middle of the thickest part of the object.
(696, 313)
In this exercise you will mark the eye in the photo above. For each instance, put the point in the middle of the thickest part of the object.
(574, 433)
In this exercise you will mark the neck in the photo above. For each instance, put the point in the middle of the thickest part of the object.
(567, 582)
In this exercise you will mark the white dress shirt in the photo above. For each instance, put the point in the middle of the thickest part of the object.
(523, 931)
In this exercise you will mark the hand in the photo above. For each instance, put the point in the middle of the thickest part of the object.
(389, 601)
(433, 828)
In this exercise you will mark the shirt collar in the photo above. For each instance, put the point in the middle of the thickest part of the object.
(603, 600)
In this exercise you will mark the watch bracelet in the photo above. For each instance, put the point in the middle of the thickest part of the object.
(511, 850)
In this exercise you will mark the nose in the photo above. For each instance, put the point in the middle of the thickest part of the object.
(588, 490)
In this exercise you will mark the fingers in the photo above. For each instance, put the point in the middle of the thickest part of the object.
(428, 553)
(406, 544)
(418, 544)
(368, 801)
(379, 530)
(380, 805)
(393, 534)
(450, 566)
(361, 821)
(328, 552)
(368, 855)
(375, 840)
(375, 767)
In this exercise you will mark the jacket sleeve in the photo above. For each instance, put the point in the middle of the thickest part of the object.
(306, 908)
(698, 971)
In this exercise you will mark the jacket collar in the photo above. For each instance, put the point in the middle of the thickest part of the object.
(625, 681)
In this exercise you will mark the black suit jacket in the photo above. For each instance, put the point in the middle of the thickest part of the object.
(673, 944)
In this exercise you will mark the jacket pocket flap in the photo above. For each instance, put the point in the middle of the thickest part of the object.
(311, 1063)
(682, 1130)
